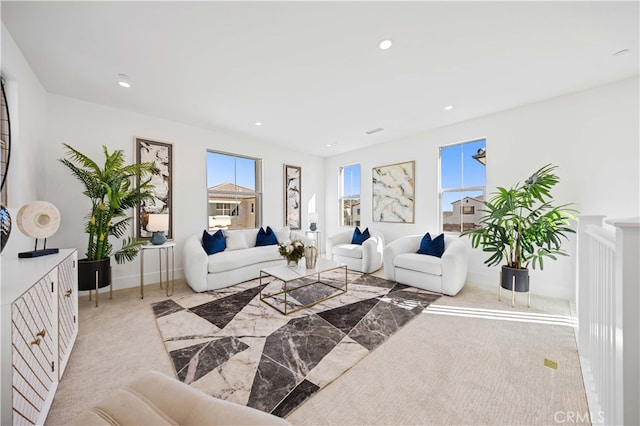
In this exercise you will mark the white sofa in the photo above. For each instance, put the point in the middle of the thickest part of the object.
(233, 265)
(446, 274)
(365, 258)
(157, 399)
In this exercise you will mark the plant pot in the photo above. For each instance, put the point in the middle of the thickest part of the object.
(87, 273)
(292, 263)
(520, 276)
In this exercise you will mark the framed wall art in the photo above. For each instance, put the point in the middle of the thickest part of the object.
(393, 193)
(292, 197)
(161, 154)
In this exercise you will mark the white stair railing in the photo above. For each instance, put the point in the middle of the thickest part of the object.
(608, 306)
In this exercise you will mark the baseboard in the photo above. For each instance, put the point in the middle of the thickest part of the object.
(491, 280)
(131, 281)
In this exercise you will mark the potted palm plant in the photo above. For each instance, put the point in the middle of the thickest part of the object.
(113, 189)
(522, 227)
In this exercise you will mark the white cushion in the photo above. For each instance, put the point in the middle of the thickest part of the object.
(233, 259)
(236, 239)
(348, 250)
(419, 262)
(283, 235)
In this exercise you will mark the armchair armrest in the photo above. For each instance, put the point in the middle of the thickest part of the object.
(454, 266)
(195, 262)
(408, 244)
(372, 250)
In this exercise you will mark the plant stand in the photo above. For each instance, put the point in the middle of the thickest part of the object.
(516, 280)
(93, 275)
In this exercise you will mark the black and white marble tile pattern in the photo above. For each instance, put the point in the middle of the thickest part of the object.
(231, 345)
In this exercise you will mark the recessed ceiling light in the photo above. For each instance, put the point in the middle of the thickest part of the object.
(385, 44)
(449, 107)
(257, 123)
(621, 52)
(123, 80)
(328, 145)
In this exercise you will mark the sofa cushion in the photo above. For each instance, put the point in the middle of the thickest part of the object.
(348, 250)
(360, 237)
(283, 235)
(236, 239)
(418, 262)
(234, 259)
(213, 243)
(266, 238)
(432, 247)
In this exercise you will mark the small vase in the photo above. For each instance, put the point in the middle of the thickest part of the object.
(310, 256)
(292, 263)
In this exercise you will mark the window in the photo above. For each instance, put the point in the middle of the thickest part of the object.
(350, 195)
(468, 209)
(462, 185)
(234, 191)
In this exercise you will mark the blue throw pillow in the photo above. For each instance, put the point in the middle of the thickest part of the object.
(266, 238)
(213, 243)
(431, 247)
(360, 237)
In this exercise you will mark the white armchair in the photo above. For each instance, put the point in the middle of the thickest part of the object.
(365, 258)
(446, 274)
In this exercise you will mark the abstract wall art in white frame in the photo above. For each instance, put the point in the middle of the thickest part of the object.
(393, 193)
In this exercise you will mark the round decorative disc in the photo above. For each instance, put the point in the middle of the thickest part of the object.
(39, 219)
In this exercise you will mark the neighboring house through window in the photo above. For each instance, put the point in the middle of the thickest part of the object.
(462, 185)
(234, 191)
(350, 195)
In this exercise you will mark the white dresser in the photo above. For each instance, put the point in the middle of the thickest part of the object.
(39, 324)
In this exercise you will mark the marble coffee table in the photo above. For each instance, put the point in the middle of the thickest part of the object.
(293, 289)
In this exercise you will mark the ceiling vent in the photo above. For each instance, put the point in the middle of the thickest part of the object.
(370, 132)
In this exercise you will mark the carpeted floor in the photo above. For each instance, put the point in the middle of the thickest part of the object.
(231, 345)
(437, 370)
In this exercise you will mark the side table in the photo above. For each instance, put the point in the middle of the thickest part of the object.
(317, 237)
(169, 245)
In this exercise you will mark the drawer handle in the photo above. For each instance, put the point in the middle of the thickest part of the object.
(68, 293)
(39, 334)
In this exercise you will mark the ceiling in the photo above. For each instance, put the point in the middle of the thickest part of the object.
(312, 72)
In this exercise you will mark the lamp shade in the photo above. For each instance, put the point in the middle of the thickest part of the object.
(313, 217)
(158, 222)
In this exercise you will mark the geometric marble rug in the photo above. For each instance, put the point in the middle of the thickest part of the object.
(231, 345)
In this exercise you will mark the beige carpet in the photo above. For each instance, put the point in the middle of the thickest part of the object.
(439, 369)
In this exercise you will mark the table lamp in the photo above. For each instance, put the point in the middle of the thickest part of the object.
(313, 220)
(158, 224)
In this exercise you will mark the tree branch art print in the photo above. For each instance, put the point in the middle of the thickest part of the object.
(394, 193)
(161, 155)
(292, 197)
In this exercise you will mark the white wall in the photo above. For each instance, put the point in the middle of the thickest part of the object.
(41, 122)
(87, 126)
(591, 135)
(27, 102)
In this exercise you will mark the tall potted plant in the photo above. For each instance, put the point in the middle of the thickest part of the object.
(522, 226)
(113, 189)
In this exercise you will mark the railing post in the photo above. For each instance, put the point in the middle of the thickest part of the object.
(627, 273)
(582, 274)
